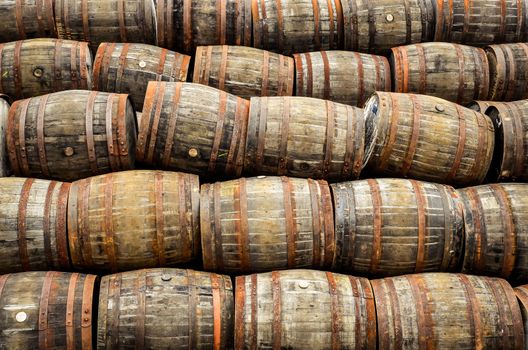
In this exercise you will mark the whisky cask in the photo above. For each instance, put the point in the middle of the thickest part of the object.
(5, 169)
(26, 19)
(522, 296)
(508, 71)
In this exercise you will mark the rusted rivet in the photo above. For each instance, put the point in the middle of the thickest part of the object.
(440, 108)
(389, 18)
(193, 153)
(68, 152)
(142, 64)
(304, 284)
(38, 72)
(21, 316)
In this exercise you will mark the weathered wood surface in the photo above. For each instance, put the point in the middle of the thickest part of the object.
(244, 71)
(427, 138)
(447, 311)
(508, 71)
(47, 310)
(184, 25)
(379, 25)
(40, 66)
(135, 219)
(390, 227)
(522, 296)
(289, 26)
(98, 21)
(304, 137)
(303, 309)
(71, 135)
(453, 72)
(482, 106)
(5, 169)
(496, 220)
(128, 68)
(165, 309)
(266, 223)
(33, 225)
(341, 76)
(193, 128)
(26, 19)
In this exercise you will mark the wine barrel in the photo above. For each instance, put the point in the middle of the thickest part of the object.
(289, 26)
(303, 309)
(447, 311)
(165, 309)
(244, 71)
(133, 219)
(4, 160)
(184, 25)
(40, 66)
(106, 21)
(47, 310)
(26, 19)
(193, 128)
(522, 296)
(482, 106)
(453, 72)
(304, 137)
(379, 25)
(71, 135)
(508, 71)
(427, 138)
(266, 223)
(341, 76)
(496, 220)
(391, 227)
(128, 68)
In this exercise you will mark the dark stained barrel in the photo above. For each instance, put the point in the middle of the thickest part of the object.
(26, 19)
(71, 135)
(427, 138)
(304, 137)
(390, 227)
(290, 26)
(508, 71)
(447, 311)
(47, 310)
(193, 128)
(5, 169)
(40, 66)
(134, 219)
(244, 71)
(266, 223)
(341, 76)
(184, 25)
(379, 25)
(522, 296)
(128, 68)
(304, 309)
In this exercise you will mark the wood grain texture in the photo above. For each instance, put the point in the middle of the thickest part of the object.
(5, 169)
(508, 71)
(26, 19)
(304, 309)
(266, 223)
(522, 297)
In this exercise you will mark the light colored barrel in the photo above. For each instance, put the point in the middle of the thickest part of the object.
(165, 309)
(244, 71)
(47, 310)
(508, 71)
(447, 311)
(341, 76)
(5, 169)
(522, 296)
(71, 135)
(453, 72)
(304, 137)
(304, 309)
(26, 19)
(40, 66)
(427, 138)
(128, 68)
(266, 223)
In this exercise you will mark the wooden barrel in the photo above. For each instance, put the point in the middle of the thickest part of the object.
(244, 71)
(496, 220)
(25, 19)
(522, 296)
(508, 71)
(303, 309)
(390, 227)
(379, 25)
(482, 106)
(447, 311)
(128, 68)
(184, 25)
(47, 310)
(71, 135)
(427, 138)
(304, 137)
(40, 66)
(266, 223)
(193, 128)
(165, 309)
(289, 26)
(480, 22)
(106, 21)
(134, 219)
(453, 72)
(5, 169)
